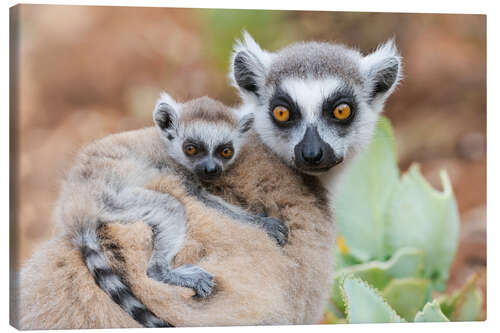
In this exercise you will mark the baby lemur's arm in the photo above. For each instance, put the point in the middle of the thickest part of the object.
(275, 228)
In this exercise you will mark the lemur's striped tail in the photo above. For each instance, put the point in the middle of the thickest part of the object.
(112, 283)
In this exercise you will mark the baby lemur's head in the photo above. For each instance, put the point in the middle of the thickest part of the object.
(203, 135)
(315, 104)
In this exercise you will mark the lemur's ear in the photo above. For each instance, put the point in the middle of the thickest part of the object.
(249, 64)
(246, 123)
(165, 113)
(383, 70)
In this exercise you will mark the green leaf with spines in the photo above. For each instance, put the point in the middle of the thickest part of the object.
(431, 313)
(406, 262)
(470, 307)
(464, 304)
(421, 217)
(364, 304)
(407, 296)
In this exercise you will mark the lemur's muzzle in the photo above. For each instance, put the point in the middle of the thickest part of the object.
(208, 170)
(312, 154)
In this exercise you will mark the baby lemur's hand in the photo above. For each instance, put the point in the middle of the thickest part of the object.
(275, 228)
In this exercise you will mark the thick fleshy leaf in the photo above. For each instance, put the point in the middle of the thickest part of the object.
(363, 196)
(406, 262)
(431, 313)
(365, 304)
(465, 304)
(421, 217)
(407, 296)
(470, 307)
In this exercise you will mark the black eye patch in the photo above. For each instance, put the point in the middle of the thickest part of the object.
(199, 145)
(220, 148)
(281, 98)
(341, 96)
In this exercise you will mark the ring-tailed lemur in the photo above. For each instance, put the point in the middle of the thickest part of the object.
(314, 104)
(315, 107)
(199, 140)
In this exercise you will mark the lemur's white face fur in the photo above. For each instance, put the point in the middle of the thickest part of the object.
(315, 104)
(203, 135)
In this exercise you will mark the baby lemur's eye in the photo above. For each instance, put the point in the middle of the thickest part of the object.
(281, 114)
(190, 150)
(226, 153)
(342, 112)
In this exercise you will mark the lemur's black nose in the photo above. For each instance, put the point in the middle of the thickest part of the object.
(311, 150)
(211, 169)
(314, 156)
(208, 170)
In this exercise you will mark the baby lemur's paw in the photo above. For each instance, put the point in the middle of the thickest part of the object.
(276, 229)
(158, 271)
(190, 276)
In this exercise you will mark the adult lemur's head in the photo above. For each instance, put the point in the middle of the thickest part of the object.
(314, 103)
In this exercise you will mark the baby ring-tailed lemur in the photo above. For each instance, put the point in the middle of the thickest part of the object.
(200, 139)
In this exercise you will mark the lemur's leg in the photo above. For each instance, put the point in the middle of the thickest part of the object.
(166, 216)
(275, 228)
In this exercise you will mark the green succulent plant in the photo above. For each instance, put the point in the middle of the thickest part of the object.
(431, 313)
(397, 239)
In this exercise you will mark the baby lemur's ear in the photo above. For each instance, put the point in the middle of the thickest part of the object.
(166, 112)
(246, 123)
(249, 65)
(383, 70)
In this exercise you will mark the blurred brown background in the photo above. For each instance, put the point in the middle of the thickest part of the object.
(85, 72)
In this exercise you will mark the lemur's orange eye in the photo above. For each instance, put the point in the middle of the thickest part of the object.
(190, 150)
(227, 152)
(342, 111)
(281, 114)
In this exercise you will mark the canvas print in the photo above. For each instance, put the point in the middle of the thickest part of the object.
(219, 167)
